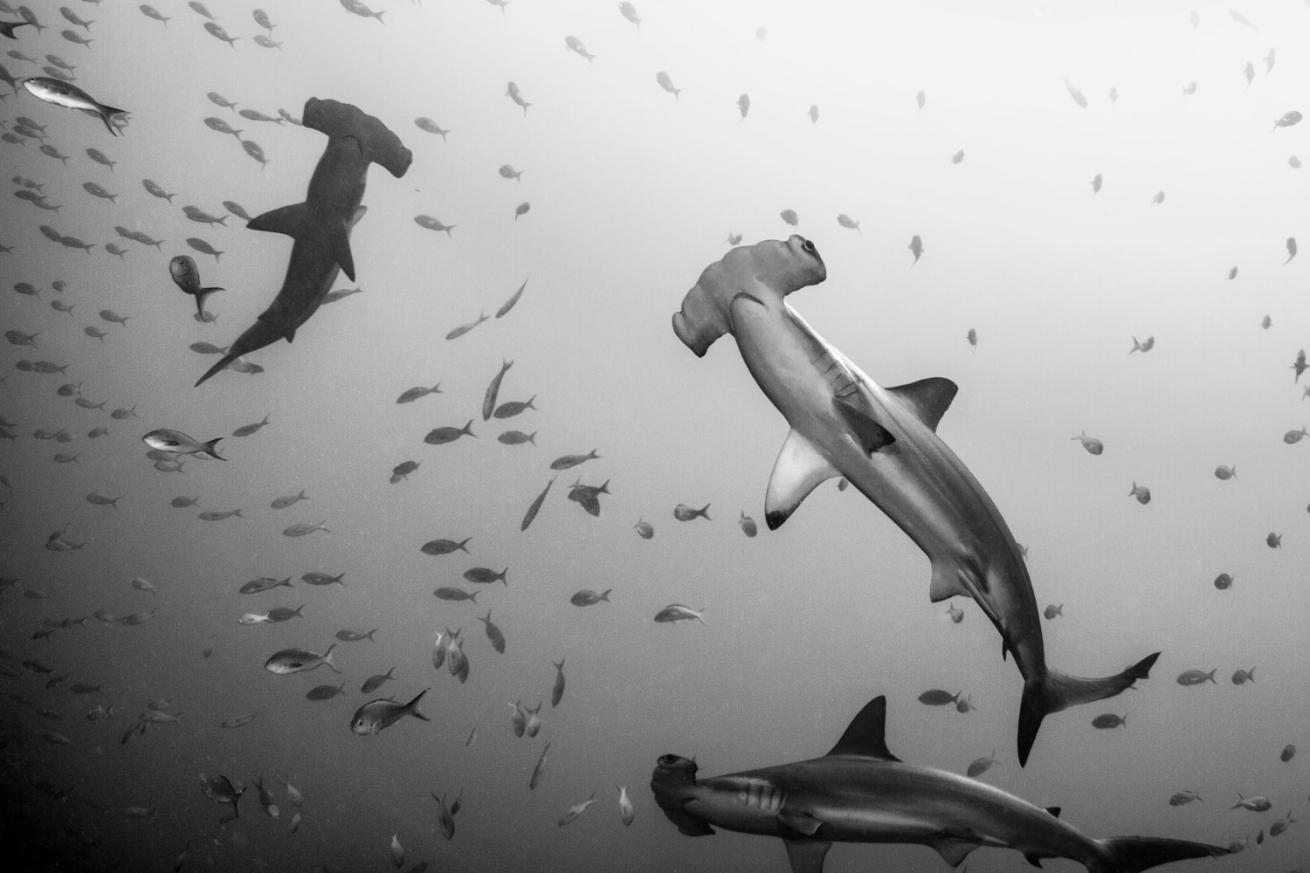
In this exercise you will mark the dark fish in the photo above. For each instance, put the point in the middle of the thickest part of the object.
(1109, 720)
(1052, 610)
(376, 681)
(458, 332)
(445, 546)
(587, 597)
(316, 578)
(489, 397)
(486, 576)
(683, 512)
(325, 692)
(403, 469)
(565, 462)
(493, 633)
(411, 394)
(535, 507)
(1223, 581)
(517, 438)
(557, 691)
(455, 594)
(937, 697)
(676, 612)
(442, 435)
(644, 529)
(1195, 677)
(511, 408)
(980, 766)
(539, 769)
(509, 304)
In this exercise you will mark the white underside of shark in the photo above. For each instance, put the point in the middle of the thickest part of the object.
(884, 442)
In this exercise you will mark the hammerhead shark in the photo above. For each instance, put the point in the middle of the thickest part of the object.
(884, 442)
(860, 793)
(321, 225)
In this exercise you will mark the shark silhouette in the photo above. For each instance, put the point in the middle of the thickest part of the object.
(860, 793)
(884, 442)
(321, 225)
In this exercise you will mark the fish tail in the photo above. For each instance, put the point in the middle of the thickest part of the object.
(213, 452)
(1133, 854)
(704, 512)
(327, 658)
(412, 706)
(1056, 691)
(606, 595)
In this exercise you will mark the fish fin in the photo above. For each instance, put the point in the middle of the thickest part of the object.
(412, 706)
(212, 451)
(1033, 858)
(291, 335)
(872, 436)
(1054, 811)
(954, 849)
(801, 822)
(806, 856)
(1058, 691)
(945, 582)
(798, 470)
(1133, 854)
(929, 398)
(293, 220)
(202, 295)
(866, 735)
(341, 251)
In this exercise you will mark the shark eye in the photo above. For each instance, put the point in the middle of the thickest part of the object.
(809, 248)
(668, 760)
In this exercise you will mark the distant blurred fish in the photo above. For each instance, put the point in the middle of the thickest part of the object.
(409, 395)
(539, 769)
(576, 810)
(644, 529)
(683, 512)
(493, 389)
(358, 8)
(1144, 346)
(628, 11)
(1075, 93)
(565, 462)
(300, 530)
(916, 248)
(573, 44)
(588, 597)
(1241, 19)
(510, 303)
(1291, 249)
(458, 332)
(513, 93)
(847, 222)
(744, 104)
(429, 126)
(1141, 492)
(666, 82)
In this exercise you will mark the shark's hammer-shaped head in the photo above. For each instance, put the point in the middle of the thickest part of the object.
(674, 783)
(766, 272)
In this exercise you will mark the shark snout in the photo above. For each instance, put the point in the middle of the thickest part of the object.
(674, 784)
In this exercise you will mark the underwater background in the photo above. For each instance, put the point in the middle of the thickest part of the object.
(633, 191)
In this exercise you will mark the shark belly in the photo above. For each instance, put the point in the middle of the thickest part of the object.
(917, 481)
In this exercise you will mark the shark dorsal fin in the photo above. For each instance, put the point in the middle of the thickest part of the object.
(806, 856)
(929, 398)
(866, 735)
(1054, 811)
(871, 435)
(798, 470)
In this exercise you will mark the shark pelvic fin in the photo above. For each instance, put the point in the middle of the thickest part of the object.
(293, 220)
(800, 822)
(866, 736)
(929, 398)
(954, 849)
(340, 243)
(871, 435)
(798, 470)
(806, 856)
(945, 582)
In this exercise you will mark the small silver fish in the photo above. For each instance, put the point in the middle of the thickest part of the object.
(176, 442)
(676, 612)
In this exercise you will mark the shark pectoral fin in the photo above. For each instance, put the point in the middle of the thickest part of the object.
(1035, 860)
(871, 435)
(946, 582)
(954, 849)
(929, 398)
(798, 470)
(293, 220)
(291, 335)
(806, 856)
(341, 252)
(800, 822)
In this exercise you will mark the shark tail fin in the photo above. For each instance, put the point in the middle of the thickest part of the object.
(1058, 691)
(1133, 854)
